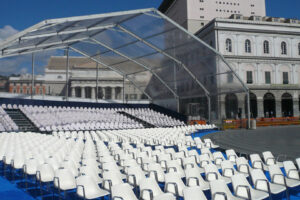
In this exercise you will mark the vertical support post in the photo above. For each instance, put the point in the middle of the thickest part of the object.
(32, 76)
(178, 104)
(209, 108)
(67, 75)
(97, 71)
(123, 89)
(248, 108)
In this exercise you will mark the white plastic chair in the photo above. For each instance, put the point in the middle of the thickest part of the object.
(87, 188)
(122, 192)
(149, 190)
(243, 189)
(192, 193)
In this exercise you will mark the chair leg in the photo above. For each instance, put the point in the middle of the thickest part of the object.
(287, 194)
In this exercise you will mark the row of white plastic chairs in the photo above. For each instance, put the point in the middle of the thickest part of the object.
(119, 159)
(155, 118)
(151, 136)
(54, 118)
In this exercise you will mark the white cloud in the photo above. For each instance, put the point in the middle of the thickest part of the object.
(7, 31)
(21, 64)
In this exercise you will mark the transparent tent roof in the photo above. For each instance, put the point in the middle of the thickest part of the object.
(155, 54)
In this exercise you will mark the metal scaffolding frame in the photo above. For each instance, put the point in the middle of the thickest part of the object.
(71, 32)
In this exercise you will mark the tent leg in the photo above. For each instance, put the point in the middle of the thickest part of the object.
(209, 108)
(67, 76)
(32, 76)
(248, 108)
(97, 71)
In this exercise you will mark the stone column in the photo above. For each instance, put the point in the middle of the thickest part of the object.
(83, 92)
(296, 107)
(260, 107)
(93, 96)
(113, 94)
(278, 108)
(241, 105)
(104, 93)
(221, 103)
(73, 91)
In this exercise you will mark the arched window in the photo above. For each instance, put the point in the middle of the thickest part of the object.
(283, 48)
(247, 46)
(299, 49)
(266, 47)
(228, 45)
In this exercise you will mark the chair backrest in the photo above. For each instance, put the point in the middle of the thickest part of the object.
(122, 191)
(219, 190)
(192, 193)
(241, 186)
(174, 183)
(211, 172)
(242, 165)
(228, 169)
(259, 180)
(291, 170)
(45, 173)
(193, 176)
(64, 179)
(90, 186)
(135, 175)
(147, 184)
(269, 158)
(277, 175)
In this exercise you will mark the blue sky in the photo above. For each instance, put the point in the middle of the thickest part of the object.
(16, 15)
(23, 13)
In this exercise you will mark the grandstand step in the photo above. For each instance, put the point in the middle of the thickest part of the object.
(144, 123)
(21, 120)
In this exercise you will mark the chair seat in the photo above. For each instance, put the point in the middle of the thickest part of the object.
(292, 182)
(165, 196)
(97, 194)
(276, 188)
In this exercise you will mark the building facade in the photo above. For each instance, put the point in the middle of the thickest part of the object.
(194, 14)
(81, 84)
(23, 85)
(265, 53)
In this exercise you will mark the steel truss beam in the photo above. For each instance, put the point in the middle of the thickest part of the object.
(138, 63)
(64, 32)
(116, 70)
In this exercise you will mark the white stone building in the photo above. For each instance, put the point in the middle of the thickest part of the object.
(194, 14)
(265, 53)
(82, 81)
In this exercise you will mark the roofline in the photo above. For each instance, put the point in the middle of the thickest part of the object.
(69, 19)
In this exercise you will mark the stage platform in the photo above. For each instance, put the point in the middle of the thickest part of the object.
(280, 140)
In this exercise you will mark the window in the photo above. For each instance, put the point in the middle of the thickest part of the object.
(283, 48)
(266, 47)
(228, 45)
(249, 77)
(285, 78)
(299, 49)
(268, 77)
(247, 46)
(230, 78)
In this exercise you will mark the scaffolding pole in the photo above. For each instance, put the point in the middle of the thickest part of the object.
(67, 75)
(209, 108)
(97, 78)
(123, 89)
(32, 75)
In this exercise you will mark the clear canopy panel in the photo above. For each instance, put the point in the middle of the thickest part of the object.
(158, 57)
